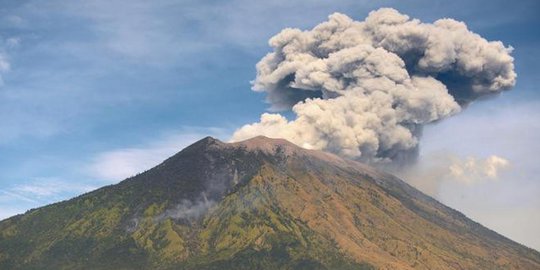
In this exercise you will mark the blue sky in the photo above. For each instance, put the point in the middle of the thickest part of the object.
(94, 91)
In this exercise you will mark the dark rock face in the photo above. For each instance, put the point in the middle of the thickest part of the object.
(258, 204)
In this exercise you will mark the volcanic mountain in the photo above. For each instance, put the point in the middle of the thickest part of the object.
(258, 204)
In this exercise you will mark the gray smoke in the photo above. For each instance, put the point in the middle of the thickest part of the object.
(187, 210)
(364, 89)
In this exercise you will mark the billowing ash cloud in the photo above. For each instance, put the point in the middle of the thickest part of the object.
(365, 89)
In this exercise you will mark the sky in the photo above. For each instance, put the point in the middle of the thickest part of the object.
(92, 92)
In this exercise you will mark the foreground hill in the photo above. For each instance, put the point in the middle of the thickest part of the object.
(258, 204)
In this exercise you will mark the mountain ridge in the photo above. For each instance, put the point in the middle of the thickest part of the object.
(262, 203)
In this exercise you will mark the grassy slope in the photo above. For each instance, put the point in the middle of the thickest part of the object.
(247, 230)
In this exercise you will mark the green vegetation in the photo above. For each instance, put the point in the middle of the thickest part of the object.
(246, 230)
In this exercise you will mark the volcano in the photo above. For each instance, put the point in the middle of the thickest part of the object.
(258, 204)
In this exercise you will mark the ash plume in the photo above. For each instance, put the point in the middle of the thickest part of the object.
(365, 89)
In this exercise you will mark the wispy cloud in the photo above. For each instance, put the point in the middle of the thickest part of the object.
(6, 45)
(49, 188)
(37, 192)
(43, 190)
(8, 195)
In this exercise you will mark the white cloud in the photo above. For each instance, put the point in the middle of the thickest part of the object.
(4, 66)
(13, 42)
(46, 188)
(436, 169)
(9, 195)
(5, 46)
(471, 169)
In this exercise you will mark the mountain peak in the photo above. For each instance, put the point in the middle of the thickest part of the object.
(207, 141)
(267, 145)
(270, 146)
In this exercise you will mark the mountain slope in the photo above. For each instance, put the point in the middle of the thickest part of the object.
(258, 204)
